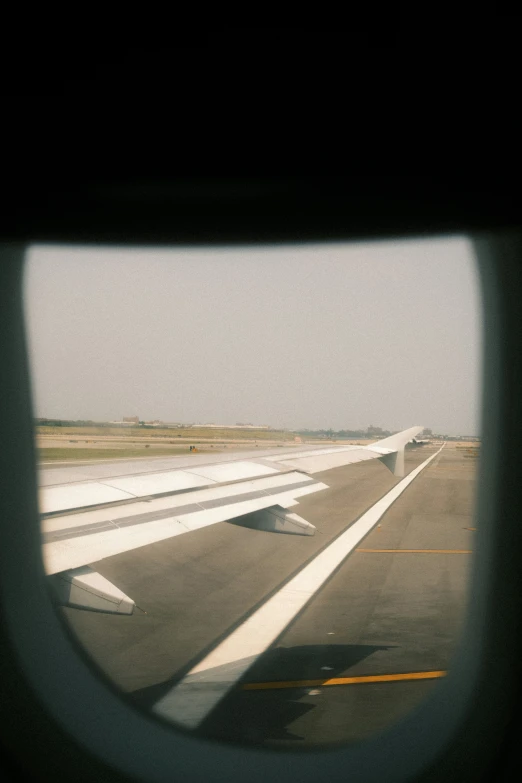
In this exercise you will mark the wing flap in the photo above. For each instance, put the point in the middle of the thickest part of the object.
(83, 544)
(93, 493)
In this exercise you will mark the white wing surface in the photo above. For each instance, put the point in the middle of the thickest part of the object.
(97, 511)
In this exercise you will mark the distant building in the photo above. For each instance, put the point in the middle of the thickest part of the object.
(131, 419)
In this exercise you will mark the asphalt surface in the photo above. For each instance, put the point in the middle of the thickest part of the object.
(382, 613)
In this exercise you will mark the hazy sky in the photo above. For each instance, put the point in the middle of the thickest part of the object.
(318, 336)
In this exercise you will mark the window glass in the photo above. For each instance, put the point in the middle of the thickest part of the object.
(234, 524)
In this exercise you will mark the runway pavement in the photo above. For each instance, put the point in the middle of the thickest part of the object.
(392, 612)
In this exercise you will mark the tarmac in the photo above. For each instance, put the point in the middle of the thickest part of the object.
(370, 645)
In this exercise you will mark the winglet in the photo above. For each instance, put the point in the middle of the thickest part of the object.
(394, 461)
(393, 447)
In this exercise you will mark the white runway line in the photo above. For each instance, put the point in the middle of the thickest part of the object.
(190, 701)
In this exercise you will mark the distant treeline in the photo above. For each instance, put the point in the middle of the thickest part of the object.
(67, 423)
(370, 432)
(86, 423)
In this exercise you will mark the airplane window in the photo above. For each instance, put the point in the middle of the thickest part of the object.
(257, 474)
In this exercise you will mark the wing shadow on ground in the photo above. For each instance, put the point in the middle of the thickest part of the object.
(254, 716)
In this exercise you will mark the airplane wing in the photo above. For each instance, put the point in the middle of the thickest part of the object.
(105, 511)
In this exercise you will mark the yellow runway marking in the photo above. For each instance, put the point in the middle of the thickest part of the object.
(370, 678)
(421, 551)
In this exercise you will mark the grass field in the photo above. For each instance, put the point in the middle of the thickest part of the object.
(164, 433)
(66, 455)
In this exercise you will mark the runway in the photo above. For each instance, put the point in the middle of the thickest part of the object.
(372, 642)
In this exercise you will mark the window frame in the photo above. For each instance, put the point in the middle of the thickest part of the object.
(61, 717)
